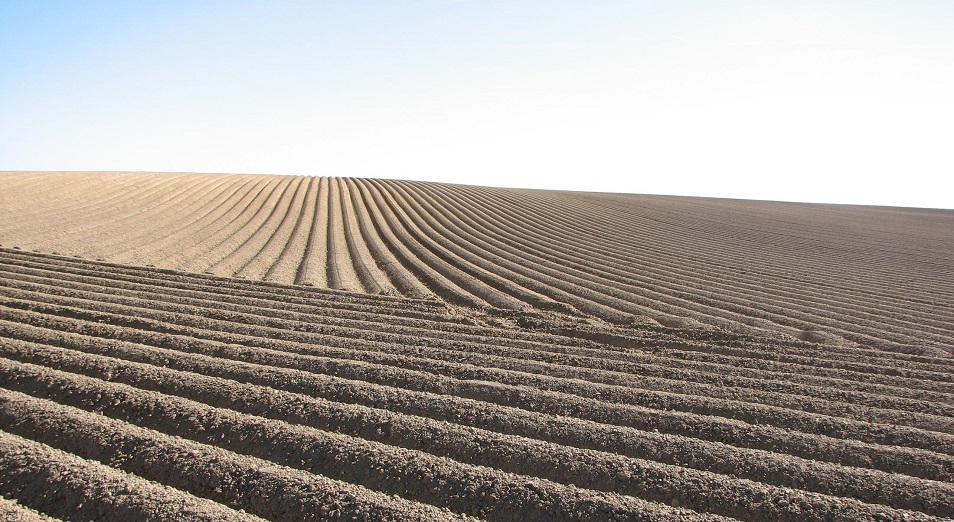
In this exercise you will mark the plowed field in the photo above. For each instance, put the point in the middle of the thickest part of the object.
(209, 347)
(837, 274)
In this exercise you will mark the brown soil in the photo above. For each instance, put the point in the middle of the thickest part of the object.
(466, 352)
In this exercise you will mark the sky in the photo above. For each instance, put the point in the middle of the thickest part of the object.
(821, 101)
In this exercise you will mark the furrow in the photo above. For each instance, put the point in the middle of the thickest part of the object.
(156, 227)
(644, 302)
(395, 241)
(283, 371)
(519, 359)
(687, 276)
(674, 267)
(642, 350)
(607, 242)
(263, 488)
(590, 271)
(625, 369)
(712, 247)
(237, 233)
(138, 213)
(559, 463)
(391, 354)
(402, 279)
(453, 267)
(11, 511)
(36, 215)
(529, 215)
(277, 239)
(265, 229)
(523, 240)
(285, 263)
(466, 260)
(189, 232)
(312, 270)
(75, 488)
(118, 275)
(91, 217)
(372, 278)
(341, 267)
(389, 469)
(210, 231)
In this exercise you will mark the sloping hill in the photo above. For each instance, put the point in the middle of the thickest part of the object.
(866, 276)
(130, 393)
(225, 347)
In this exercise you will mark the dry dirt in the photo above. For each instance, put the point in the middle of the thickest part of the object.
(213, 347)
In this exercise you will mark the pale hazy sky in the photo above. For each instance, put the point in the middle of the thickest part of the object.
(827, 101)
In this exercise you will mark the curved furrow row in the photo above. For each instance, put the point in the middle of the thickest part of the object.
(601, 265)
(540, 360)
(110, 275)
(396, 240)
(192, 206)
(545, 349)
(699, 255)
(80, 489)
(372, 278)
(261, 231)
(89, 213)
(293, 356)
(284, 263)
(342, 273)
(277, 239)
(575, 287)
(69, 192)
(605, 265)
(597, 471)
(462, 260)
(179, 235)
(486, 226)
(403, 281)
(135, 212)
(238, 238)
(491, 263)
(313, 268)
(747, 266)
(605, 243)
(743, 224)
(63, 193)
(199, 236)
(502, 368)
(449, 265)
(801, 263)
(269, 490)
(682, 354)
(535, 233)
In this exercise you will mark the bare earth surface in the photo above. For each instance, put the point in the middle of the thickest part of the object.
(219, 347)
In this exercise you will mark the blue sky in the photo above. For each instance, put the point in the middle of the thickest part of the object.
(835, 101)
